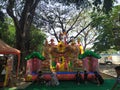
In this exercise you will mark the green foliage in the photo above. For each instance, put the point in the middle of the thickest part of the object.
(37, 39)
(11, 36)
(109, 31)
(78, 3)
(107, 6)
(98, 5)
(1, 16)
(7, 30)
(7, 34)
(110, 51)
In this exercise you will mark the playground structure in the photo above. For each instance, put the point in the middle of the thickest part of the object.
(64, 59)
(6, 63)
(6, 66)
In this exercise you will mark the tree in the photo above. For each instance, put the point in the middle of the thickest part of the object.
(22, 13)
(11, 29)
(2, 16)
(37, 38)
(109, 31)
(4, 32)
(98, 5)
(62, 19)
(88, 37)
(57, 19)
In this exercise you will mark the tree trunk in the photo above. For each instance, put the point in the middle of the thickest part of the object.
(22, 25)
(22, 43)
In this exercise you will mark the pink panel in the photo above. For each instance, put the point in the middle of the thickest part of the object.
(94, 66)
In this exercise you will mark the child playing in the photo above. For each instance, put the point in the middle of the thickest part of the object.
(117, 69)
(78, 78)
(98, 78)
(85, 77)
(54, 81)
(40, 79)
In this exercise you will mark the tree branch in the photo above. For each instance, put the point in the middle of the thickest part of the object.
(74, 21)
(80, 31)
(10, 11)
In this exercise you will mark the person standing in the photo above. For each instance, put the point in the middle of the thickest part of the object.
(78, 78)
(40, 79)
(54, 80)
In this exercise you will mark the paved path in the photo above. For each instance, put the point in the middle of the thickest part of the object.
(108, 69)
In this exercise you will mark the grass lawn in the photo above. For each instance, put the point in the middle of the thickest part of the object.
(71, 85)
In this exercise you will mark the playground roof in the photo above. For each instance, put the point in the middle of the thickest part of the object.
(6, 49)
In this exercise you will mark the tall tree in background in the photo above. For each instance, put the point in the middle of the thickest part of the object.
(37, 37)
(98, 5)
(1, 16)
(56, 18)
(22, 13)
(4, 32)
(108, 27)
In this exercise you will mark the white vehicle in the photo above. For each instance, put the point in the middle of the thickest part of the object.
(116, 59)
(110, 59)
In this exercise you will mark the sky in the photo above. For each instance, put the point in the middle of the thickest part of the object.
(118, 2)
